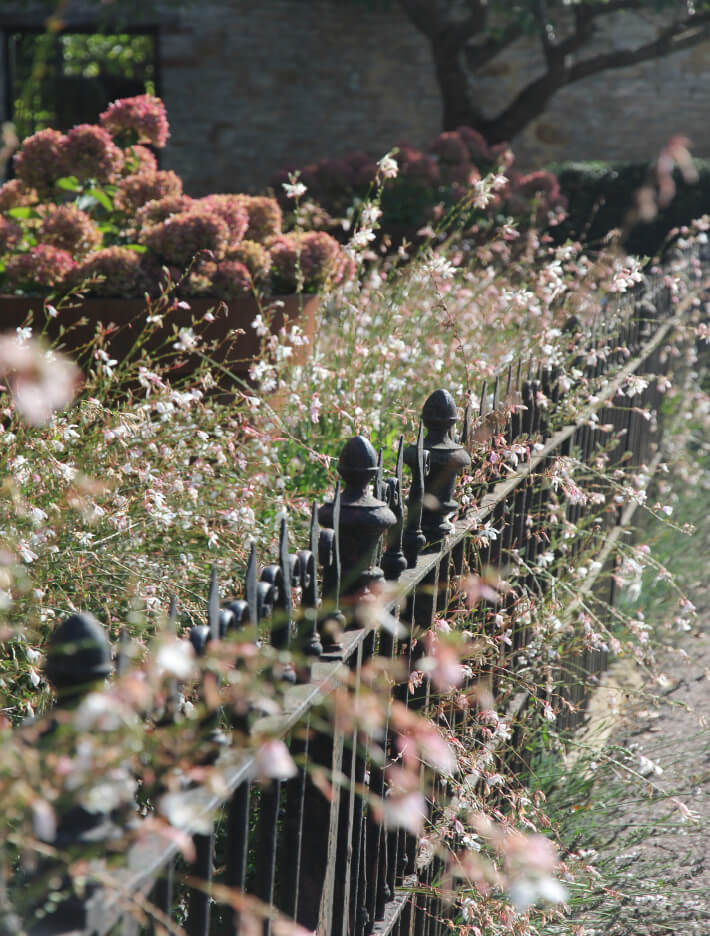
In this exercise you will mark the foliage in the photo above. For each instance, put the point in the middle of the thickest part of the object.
(603, 196)
(430, 187)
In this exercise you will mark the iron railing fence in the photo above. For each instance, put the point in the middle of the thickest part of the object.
(330, 863)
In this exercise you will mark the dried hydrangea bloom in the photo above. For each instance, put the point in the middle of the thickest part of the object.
(230, 208)
(312, 257)
(40, 161)
(88, 152)
(143, 117)
(13, 194)
(70, 228)
(478, 148)
(178, 239)
(119, 269)
(159, 210)
(141, 187)
(42, 267)
(10, 235)
(450, 148)
(139, 159)
(265, 217)
(255, 257)
(231, 280)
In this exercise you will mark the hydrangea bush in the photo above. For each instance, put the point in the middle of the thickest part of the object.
(430, 182)
(94, 202)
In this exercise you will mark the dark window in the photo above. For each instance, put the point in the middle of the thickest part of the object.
(62, 79)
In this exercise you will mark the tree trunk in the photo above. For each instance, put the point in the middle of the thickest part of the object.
(458, 109)
(529, 104)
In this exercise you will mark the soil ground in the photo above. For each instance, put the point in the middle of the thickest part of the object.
(660, 855)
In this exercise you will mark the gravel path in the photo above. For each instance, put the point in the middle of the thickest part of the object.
(653, 836)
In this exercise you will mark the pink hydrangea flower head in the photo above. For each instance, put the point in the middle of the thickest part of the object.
(71, 229)
(537, 183)
(450, 148)
(142, 118)
(254, 256)
(139, 159)
(265, 217)
(88, 152)
(178, 239)
(313, 256)
(119, 268)
(40, 161)
(417, 166)
(13, 194)
(42, 267)
(141, 187)
(230, 208)
(477, 147)
(159, 210)
(10, 235)
(231, 280)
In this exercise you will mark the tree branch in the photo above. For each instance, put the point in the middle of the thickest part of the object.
(674, 38)
(479, 55)
(438, 26)
(532, 101)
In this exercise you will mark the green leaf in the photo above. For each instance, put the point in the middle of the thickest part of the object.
(108, 228)
(21, 212)
(68, 183)
(102, 198)
(139, 248)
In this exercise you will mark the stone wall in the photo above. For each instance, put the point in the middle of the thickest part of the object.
(253, 86)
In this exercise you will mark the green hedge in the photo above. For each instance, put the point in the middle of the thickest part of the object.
(600, 196)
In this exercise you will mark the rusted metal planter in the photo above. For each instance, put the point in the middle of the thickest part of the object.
(229, 327)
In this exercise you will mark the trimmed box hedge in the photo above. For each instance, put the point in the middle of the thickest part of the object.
(600, 196)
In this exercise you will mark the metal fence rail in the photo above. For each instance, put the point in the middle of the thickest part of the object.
(331, 864)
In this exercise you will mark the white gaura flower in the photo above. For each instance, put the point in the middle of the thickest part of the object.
(187, 340)
(176, 658)
(294, 188)
(272, 761)
(387, 167)
(40, 381)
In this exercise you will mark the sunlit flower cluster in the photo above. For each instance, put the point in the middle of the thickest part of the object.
(70, 228)
(142, 117)
(43, 265)
(40, 161)
(142, 187)
(181, 236)
(306, 259)
(88, 152)
(114, 271)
